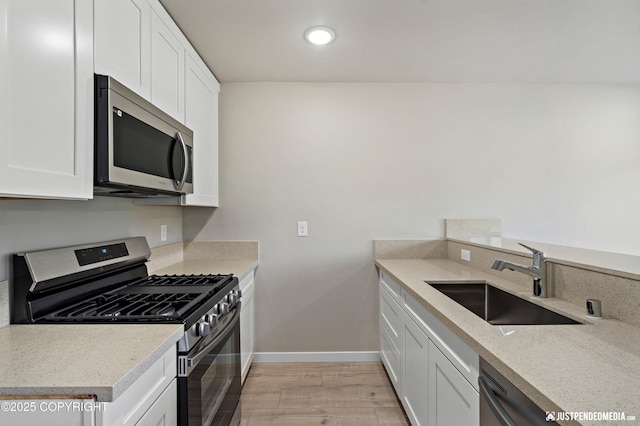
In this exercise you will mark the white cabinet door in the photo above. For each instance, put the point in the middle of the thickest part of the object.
(46, 98)
(167, 69)
(201, 116)
(247, 328)
(139, 398)
(50, 412)
(453, 401)
(163, 412)
(122, 43)
(416, 374)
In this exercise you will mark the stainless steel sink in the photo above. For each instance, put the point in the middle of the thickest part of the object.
(497, 306)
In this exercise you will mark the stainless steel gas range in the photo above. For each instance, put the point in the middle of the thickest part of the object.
(108, 283)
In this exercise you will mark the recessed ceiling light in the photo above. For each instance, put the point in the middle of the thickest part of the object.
(319, 35)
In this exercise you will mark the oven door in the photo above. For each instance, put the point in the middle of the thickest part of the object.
(209, 395)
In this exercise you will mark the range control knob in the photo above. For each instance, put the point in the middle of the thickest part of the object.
(224, 308)
(232, 298)
(211, 319)
(202, 329)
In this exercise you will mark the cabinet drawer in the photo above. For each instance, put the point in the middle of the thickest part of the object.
(390, 316)
(458, 352)
(394, 289)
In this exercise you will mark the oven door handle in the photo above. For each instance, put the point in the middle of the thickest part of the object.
(230, 321)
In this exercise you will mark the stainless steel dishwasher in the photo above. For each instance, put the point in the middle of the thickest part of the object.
(503, 404)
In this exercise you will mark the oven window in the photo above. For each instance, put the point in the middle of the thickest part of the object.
(142, 148)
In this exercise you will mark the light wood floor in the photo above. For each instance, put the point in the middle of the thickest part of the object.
(356, 394)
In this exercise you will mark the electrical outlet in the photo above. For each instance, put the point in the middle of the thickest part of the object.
(303, 229)
(465, 255)
(163, 232)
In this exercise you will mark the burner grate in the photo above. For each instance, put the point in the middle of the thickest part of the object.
(155, 298)
(154, 306)
(181, 280)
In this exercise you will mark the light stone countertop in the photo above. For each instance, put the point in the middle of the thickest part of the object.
(75, 359)
(593, 367)
(238, 268)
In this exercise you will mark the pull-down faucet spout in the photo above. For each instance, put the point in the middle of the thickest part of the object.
(538, 271)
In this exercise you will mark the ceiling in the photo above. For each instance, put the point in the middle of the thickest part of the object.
(506, 41)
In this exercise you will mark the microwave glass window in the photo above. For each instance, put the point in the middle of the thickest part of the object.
(139, 147)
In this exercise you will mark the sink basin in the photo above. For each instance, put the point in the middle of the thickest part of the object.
(497, 306)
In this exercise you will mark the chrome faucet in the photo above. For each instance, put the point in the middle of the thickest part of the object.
(538, 271)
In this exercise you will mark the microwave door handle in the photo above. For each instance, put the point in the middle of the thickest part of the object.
(185, 172)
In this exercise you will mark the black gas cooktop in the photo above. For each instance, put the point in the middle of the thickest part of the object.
(154, 298)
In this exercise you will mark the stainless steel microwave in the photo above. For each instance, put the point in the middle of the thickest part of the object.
(140, 151)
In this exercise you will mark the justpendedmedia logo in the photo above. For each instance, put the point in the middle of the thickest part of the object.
(597, 416)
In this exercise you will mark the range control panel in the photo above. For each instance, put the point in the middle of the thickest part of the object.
(97, 254)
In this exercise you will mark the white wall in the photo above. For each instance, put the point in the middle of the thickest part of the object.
(557, 163)
(42, 224)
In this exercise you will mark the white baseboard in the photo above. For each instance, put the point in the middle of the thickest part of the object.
(361, 356)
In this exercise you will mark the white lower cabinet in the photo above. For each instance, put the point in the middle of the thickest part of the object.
(152, 400)
(145, 402)
(390, 338)
(164, 411)
(452, 399)
(247, 323)
(416, 374)
(433, 371)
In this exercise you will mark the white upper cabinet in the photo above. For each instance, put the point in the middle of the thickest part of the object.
(123, 43)
(49, 51)
(167, 68)
(46, 99)
(201, 107)
(138, 44)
